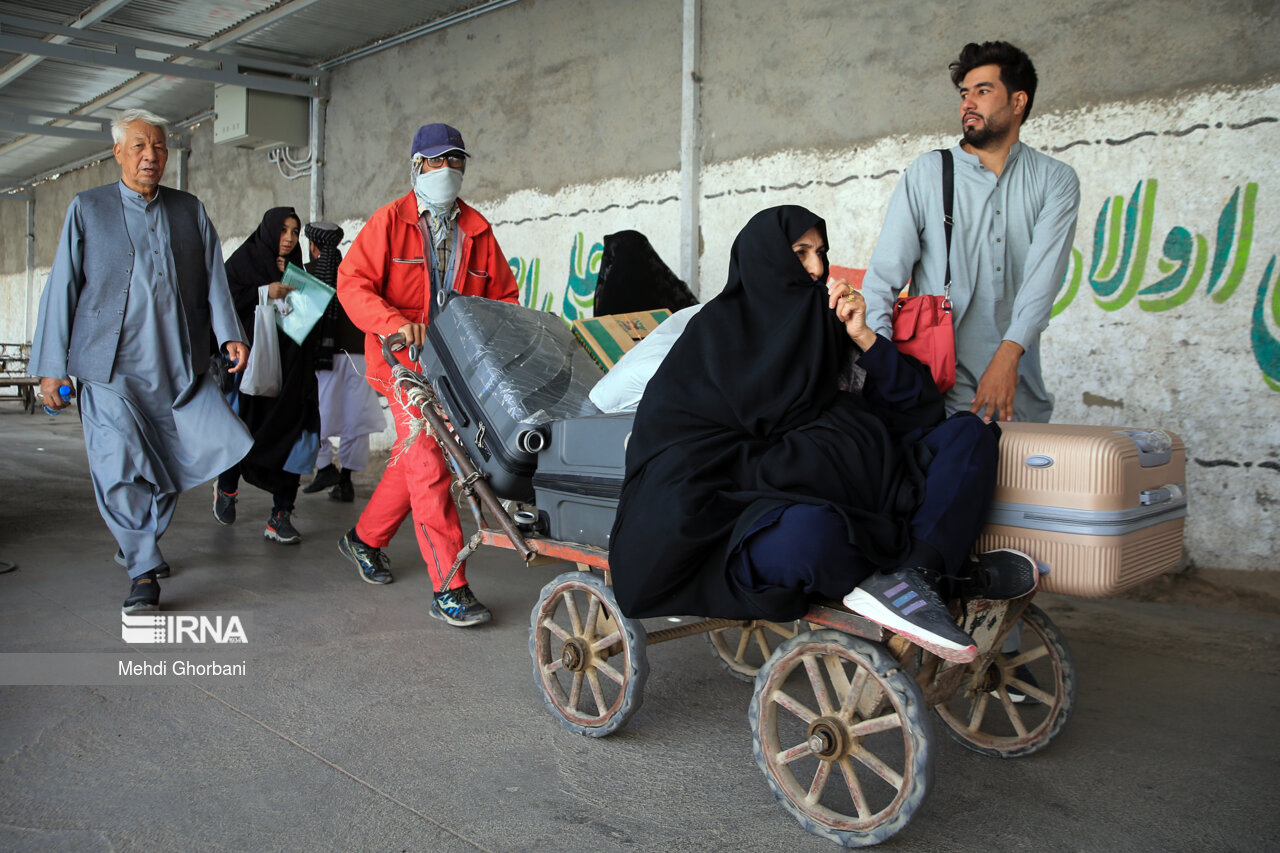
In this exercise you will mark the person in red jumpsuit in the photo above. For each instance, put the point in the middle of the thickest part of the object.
(403, 261)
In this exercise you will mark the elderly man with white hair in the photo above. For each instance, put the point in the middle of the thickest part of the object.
(135, 305)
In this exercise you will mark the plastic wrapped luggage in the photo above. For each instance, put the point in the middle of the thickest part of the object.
(502, 372)
(1102, 508)
(579, 477)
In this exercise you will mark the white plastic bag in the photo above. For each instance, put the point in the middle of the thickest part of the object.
(262, 378)
(622, 387)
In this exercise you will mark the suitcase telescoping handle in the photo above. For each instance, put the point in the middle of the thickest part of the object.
(394, 342)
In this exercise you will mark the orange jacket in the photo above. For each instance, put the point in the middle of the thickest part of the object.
(384, 282)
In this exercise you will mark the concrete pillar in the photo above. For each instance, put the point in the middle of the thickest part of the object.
(182, 151)
(28, 324)
(691, 146)
(318, 109)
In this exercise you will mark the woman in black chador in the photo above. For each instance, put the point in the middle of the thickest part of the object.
(757, 483)
(286, 427)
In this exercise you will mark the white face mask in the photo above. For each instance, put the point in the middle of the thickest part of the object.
(438, 187)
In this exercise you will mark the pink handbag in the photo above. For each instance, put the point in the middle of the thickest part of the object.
(922, 324)
(922, 329)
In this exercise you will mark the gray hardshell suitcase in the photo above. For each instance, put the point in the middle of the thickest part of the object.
(502, 372)
(579, 477)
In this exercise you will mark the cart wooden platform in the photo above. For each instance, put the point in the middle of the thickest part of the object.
(840, 712)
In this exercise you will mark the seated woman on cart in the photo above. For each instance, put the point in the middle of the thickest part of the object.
(784, 453)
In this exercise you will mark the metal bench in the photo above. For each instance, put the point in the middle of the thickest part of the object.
(15, 384)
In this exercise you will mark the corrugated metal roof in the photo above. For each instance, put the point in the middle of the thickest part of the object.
(307, 33)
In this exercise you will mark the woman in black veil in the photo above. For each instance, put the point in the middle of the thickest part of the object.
(285, 427)
(756, 483)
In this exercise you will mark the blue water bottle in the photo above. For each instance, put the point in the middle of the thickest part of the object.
(64, 391)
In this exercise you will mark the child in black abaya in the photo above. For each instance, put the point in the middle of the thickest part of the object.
(285, 427)
(755, 484)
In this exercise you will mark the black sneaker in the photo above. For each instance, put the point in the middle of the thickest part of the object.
(344, 492)
(374, 566)
(224, 505)
(999, 575)
(460, 607)
(907, 603)
(280, 529)
(1016, 695)
(324, 478)
(161, 571)
(144, 594)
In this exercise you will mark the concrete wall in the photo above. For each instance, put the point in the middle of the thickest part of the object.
(547, 94)
(1169, 110)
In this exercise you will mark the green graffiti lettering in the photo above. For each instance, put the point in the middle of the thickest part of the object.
(1115, 292)
(1233, 236)
(1226, 233)
(1266, 348)
(527, 273)
(1106, 238)
(1185, 258)
(1067, 292)
(584, 270)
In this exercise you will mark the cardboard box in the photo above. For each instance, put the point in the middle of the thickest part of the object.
(609, 337)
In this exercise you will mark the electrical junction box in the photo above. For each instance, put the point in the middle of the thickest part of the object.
(249, 118)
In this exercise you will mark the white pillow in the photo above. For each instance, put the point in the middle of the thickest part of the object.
(622, 387)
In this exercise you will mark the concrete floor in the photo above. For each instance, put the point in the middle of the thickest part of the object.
(362, 724)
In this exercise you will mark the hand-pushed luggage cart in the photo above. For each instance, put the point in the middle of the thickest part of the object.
(839, 715)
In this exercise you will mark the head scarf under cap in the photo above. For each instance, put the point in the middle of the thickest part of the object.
(325, 236)
(254, 263)
(336, 331)
(745, 411)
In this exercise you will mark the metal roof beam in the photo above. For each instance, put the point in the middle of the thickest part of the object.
(91, 16)
(10, 126)
(19, 120)
(230, 36)
(118, 52)
(104, 124)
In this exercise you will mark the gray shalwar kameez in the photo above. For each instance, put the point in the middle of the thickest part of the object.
(155, 428)
(1009, 251)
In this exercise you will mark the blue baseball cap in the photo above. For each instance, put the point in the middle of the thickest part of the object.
(432, 140)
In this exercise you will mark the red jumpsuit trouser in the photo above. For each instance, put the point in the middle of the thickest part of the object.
(416, 481)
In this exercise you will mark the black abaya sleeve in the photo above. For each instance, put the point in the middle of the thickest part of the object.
(900, 390)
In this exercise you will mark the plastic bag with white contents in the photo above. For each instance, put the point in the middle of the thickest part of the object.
(622, 387)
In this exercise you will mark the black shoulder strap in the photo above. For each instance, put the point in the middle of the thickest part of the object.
(948, 193)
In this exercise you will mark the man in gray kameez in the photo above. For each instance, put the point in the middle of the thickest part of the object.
(1015, 218)
(135, 299)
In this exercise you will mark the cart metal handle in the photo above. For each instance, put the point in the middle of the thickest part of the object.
(393, 343)
(450, 444)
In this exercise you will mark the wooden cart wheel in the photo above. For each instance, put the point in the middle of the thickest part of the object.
(588, 659)
(28, 395)
(841, 734)
(986, 715)
(742, 651)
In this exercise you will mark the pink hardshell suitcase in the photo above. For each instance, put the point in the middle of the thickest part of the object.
(1102, 508)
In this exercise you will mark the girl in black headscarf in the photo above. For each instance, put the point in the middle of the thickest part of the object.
(755, 484)
(286, 427)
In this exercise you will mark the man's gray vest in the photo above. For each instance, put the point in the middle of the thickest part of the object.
(108, 268)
